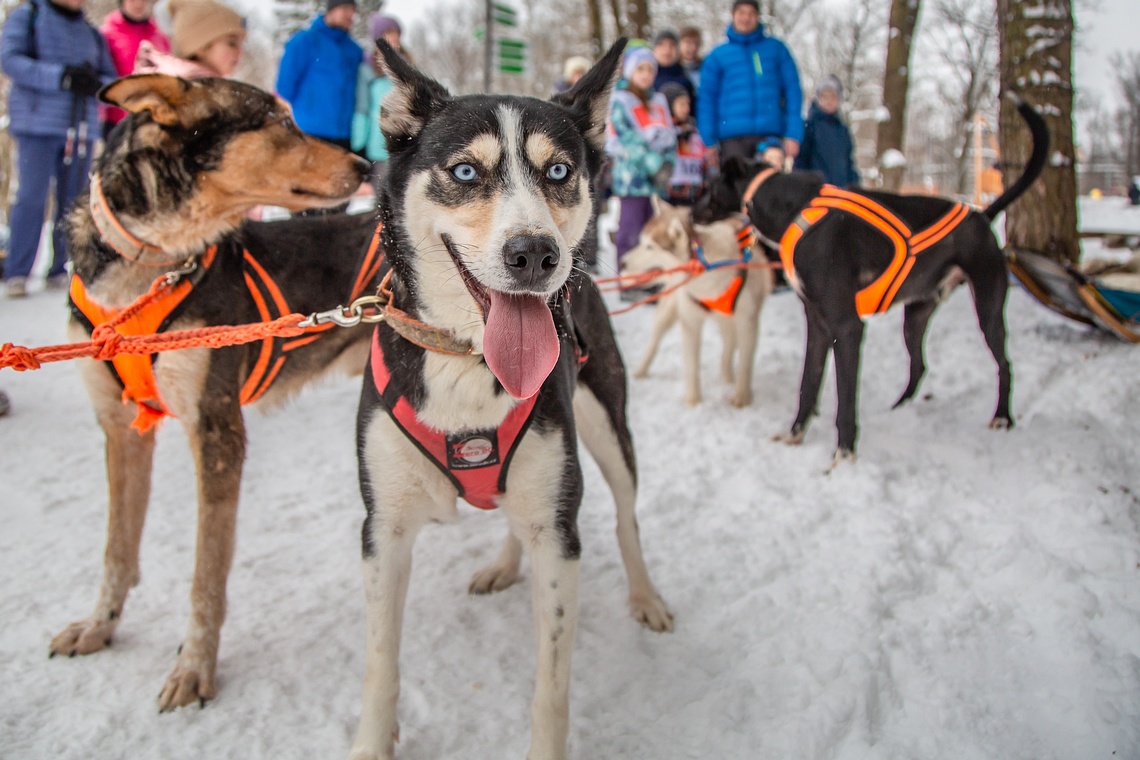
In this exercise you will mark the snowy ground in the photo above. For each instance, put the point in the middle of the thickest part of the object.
(957, 593)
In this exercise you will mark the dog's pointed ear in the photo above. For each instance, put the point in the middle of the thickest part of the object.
(677, 229)
(657, 204)
(159, 94)
(413, 98)
(589, 99)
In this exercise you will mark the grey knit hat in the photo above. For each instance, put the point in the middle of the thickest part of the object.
(830, 82)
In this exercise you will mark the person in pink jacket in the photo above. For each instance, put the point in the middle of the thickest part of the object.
(125, 29)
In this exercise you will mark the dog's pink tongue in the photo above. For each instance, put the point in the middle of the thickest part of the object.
(520, 343)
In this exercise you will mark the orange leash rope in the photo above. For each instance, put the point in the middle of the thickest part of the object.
(106, 342)
(691, 268)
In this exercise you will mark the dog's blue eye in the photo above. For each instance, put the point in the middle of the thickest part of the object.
(465, 173)
(558, 172)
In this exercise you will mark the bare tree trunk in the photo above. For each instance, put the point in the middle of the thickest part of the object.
(619, 17)
(597, 38)
(896, 81)
(1036, 63)
(639, 21)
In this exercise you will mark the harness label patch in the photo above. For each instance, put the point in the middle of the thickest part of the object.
(472, 449)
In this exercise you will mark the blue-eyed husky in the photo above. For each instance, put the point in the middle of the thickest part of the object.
(511, 359)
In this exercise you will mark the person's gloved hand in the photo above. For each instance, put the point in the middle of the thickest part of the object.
(662, 176)
(82, 80)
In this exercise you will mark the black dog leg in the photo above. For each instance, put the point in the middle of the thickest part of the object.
(819, 342)
(915, 320)
(848, 345)
(989, 300)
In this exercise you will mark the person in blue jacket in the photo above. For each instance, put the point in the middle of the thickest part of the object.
(318, 74)
(750, 101)
(57, 62)
(827, 147)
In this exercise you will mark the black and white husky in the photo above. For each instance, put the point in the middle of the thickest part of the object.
(508, 360)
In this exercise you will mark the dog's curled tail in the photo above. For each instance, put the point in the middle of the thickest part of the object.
(1036, 161)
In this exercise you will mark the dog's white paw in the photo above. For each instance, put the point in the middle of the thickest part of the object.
(841, 456)
(83, 637)
(692, 399)
(360, 754)
(384, 753)
(641, 373)
(191, 680)
(741, 399)
(1001, 423)
(493, 578)
(790, 438)
(651, 611)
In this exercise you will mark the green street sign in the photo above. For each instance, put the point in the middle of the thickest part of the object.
(504, 15)
(512, 50)
(511, 68)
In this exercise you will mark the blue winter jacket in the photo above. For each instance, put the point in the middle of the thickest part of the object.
(36, 104)
(749, 86)
(318, 77)
(827, 148)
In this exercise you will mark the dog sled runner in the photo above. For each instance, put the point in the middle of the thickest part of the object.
(1070, 293)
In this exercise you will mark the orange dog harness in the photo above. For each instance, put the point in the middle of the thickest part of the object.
(877, 297)
(136, 372)
(725, 303)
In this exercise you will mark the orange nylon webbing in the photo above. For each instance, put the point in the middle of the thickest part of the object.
(878, 296)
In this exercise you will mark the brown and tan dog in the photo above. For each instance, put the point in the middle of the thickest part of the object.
(667, 242)
(169, 194)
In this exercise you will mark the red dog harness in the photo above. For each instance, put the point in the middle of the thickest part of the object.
(136, 372)
(476, 461)
(877, 297)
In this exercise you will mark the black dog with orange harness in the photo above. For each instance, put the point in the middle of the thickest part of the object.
(853, 254)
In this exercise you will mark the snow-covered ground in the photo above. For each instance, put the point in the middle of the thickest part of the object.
(957, 593)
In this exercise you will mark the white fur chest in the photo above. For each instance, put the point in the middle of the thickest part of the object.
(461, 394)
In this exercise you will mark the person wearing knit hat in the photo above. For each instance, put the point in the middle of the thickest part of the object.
(372, 84)
(828, 147)
(206, 41)
(666, 49)
(318, 74)
(634, 57)
(197, 24)
(750, 99)
(642, 143)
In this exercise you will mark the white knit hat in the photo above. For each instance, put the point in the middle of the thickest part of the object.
(198, 23)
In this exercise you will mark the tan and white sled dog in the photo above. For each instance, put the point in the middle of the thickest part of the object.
(731, 296)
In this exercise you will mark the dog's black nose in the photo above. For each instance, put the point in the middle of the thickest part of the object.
(531, 258)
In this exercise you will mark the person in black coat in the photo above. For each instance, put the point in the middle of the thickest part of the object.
(828, 147)
(1134, 191)
(667, 51)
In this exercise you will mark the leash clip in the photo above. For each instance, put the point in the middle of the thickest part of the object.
(364, 310)
(172, 277)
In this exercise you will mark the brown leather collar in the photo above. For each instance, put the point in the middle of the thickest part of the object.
(754, 185)
(414, 331)
(114, 234)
